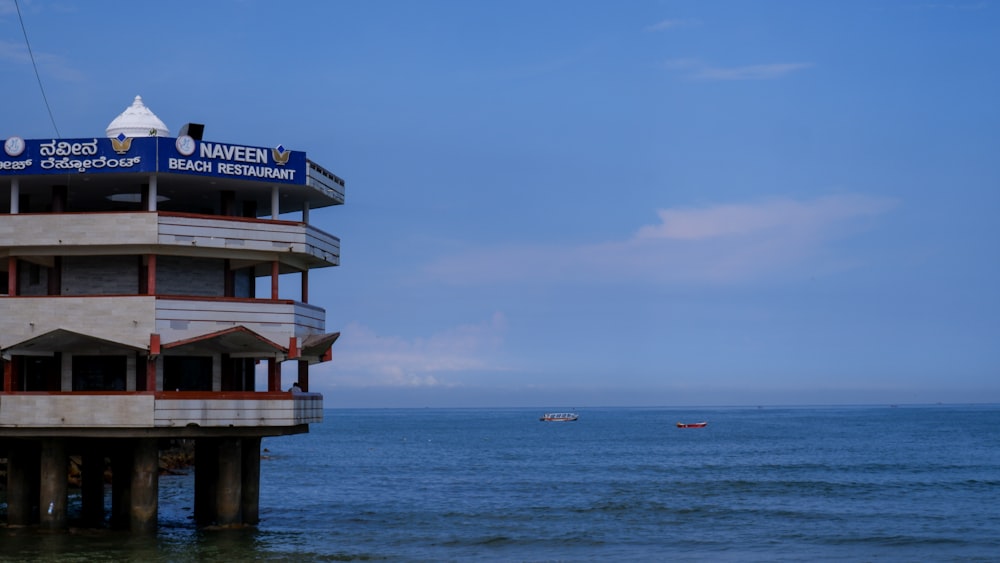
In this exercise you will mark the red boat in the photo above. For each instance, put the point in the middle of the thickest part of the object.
(692, 424)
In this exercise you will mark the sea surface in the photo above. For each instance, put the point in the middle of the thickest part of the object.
(873, 483)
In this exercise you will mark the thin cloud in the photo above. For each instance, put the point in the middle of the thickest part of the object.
(367, 359)
(732, 243)
(696, 69)
(48, 64)
(746, 218)
(751, 72)
(671, 24)
(14, 52)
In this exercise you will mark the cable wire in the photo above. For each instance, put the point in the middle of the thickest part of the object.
(35, 66)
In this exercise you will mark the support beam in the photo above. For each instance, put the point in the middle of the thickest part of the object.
(305, 286)
(275, 208)
(251, 481)
(151, 274)
(22, 457)
(274, 279)
(12, 276)
(273, 375)
(8, 375)
(151, 193)
(151, 372)
(52, 494)
(15, 196)
(145, 486)
(228, 483)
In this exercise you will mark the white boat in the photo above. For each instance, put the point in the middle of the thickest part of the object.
(559, 417)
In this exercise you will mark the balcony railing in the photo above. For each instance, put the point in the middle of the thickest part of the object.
(181, 409)
(130, 319)
(131, 229)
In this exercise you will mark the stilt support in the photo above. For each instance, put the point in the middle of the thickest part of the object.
(228, 484)
(251, 480)
(145, 486)
(52, 494)
(22, 463)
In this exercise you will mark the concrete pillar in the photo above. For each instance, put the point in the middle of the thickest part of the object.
(15, 196)
(206, 461)
(251, 480)
(145, 486)
(92, 485)
(275, 211)
(121, 484)
(22, 458)
(151, 193)
(228, 483)
(52, 491)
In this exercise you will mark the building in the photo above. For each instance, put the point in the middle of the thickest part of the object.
(139, 291)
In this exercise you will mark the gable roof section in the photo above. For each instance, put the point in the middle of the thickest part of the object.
(236, 341)
(63, 340)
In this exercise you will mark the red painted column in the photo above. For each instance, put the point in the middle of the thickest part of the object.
(12, 276)
(154, 351)
(305, 286)
(273, 375)
(274, 279)
(151, 275)
(8, 375)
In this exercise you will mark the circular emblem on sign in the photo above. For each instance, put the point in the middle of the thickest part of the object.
(185, 145)
(14, 146)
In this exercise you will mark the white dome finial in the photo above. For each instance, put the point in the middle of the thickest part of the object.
(137, 121)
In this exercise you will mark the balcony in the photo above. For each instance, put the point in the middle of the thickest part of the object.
(130, 319)
(178, 318)
(161, 413)
(168, 233)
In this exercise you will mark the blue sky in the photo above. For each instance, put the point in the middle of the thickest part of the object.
(573, 203)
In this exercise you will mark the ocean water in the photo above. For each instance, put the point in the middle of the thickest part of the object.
(913, 483)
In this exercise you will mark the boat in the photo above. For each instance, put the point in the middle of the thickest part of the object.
(559, 417)
(692, 424)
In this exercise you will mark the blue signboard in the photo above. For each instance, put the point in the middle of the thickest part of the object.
(181, 155)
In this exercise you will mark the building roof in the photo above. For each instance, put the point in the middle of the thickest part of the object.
(137, 121)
